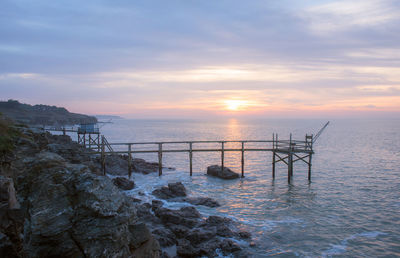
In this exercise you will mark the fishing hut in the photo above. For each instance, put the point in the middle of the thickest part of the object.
(89, 136)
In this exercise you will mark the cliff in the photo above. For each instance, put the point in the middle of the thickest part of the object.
(55, 202)
(42, 114)
(51, 206)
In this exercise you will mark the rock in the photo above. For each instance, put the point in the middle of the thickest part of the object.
(216, 171)
(197, 235)
(144, 167)
(185, 249)
(244, 234)
(204, 201)
(172, 191)
(186, 216)
(228, 246)
(179, 230)
(165, 237)
(139, 234)
(155, 204)
(116, 165)
(222, 226)
(72, 212)
(123, 183)
(189, 212)
(7, 194)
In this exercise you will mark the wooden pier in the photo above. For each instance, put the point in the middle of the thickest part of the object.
(285, 151)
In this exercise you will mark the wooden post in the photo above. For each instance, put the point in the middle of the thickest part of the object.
(273, 165)
(160, 159)
(130, 160)
(242, 159)
(103, 156)
(64, 131)
(90, 141)
(84, 140)
(222, 157)
(309, 167)
(273, 156)
(98, 143)
(290, 166)
(290, 160)
(191, 158)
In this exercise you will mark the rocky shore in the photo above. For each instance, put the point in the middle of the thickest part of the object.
(55, 202)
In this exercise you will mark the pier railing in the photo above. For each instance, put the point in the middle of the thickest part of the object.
(290, 148)
(285, 151)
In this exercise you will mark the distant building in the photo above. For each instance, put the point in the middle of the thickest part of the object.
(88, 128)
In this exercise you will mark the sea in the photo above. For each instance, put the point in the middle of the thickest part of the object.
(351, 207)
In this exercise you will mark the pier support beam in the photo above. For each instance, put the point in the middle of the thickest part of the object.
(309, 167)
(103, 156)
(191, 158)
(130, 160)
(222, 156)
(242, 159)
(290, 167)
(273, 165)
(160, 159)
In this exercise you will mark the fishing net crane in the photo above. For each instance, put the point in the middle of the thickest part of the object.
(319, 133)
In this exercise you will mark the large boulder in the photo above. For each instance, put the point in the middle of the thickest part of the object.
(172, 191)
(216, 170)
(123, 183)
(204, 201)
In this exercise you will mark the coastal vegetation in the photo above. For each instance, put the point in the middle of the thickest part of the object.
(42, 114)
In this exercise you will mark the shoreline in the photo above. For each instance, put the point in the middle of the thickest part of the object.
(189, 233)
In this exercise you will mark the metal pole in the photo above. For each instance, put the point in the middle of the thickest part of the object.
(191, 158)
(160, 159)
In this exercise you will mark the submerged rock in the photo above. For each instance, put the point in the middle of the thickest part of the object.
(123, 183)
(172, 191)
(204, 201)
(216, 170)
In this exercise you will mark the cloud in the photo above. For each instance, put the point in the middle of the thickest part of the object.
(342, 15)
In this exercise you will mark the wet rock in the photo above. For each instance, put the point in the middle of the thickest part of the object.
(123, 183)
(144, 167)
(228, 246)
(216, 171)
(164, 236)
(199, 235)
(186, 216)
(172, 191)
(155, 204)
(185, 249)
(221, 225)
(180, 231)
(244, 234)
(139, 234)
(204, 201)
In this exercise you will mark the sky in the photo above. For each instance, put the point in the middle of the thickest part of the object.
(188, 59)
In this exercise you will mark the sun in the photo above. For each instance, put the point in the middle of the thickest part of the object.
(235, 105)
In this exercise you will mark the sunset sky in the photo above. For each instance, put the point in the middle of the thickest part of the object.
(171, 59)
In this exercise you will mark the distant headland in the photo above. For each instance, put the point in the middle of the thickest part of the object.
(42, 114)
